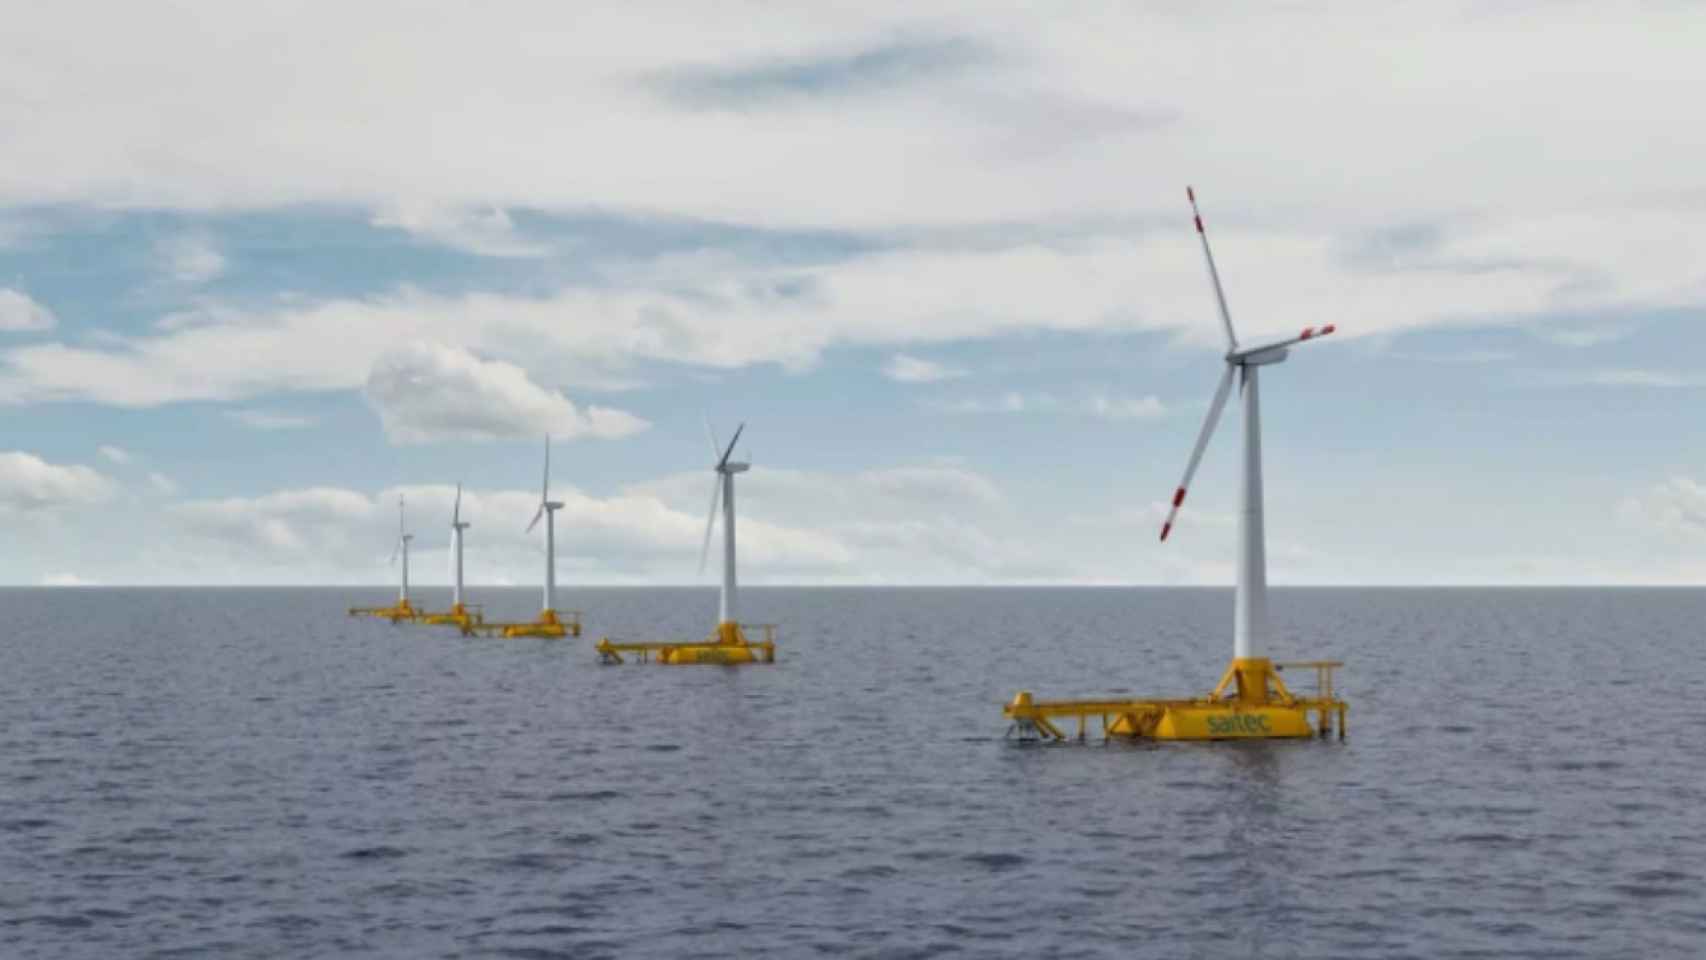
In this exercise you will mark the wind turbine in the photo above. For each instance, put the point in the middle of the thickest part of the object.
(1261, 706)
(548, 509)
(1251, 606)
(456, 527)
(729, 646)
(723, 489)
(402, 550)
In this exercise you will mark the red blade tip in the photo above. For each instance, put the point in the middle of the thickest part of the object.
(1179, 496)
(1166, 529)
(1329, 328)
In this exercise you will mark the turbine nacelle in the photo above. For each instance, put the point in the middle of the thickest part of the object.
(1277, 351)
(1258, 358)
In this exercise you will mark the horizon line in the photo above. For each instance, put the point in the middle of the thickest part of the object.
(867, 586)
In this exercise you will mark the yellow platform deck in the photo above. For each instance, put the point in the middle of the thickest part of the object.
(551, 623)
(396, 613)
(460, 615)
(1250, 703)
(728, 647)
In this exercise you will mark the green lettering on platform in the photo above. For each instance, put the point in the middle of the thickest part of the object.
(1239, 724)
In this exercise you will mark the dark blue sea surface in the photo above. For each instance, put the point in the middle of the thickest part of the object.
(248, 773)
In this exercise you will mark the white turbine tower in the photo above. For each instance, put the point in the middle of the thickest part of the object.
(548, 509)
(723, 488)
(456, 527)
(1251, 612)
(402, 550)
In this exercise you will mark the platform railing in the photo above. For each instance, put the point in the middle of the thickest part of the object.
(1323, 674)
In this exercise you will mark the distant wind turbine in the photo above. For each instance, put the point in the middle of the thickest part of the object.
(456, 527)
(723, 489)
(401, 549)
(548, 510)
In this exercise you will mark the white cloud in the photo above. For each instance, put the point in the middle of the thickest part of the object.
(714, 311)
(28, 482)
(1101, 405)
(1520, 220)
(489, 233)
(427, 393)
(335, 532)
(270, 419)
(190, 259)
(1676, 507)
(19, 313)
(480, 108)
(66, 580)
(908, 524)
(162, 484)
(904, 368)
(917, 523)
(113, 454)
(283, 525)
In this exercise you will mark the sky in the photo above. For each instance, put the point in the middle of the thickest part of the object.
(266, 268)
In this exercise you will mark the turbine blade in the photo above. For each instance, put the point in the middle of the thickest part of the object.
(732, 441)
(456, 511)
(1309, 333)
(711, 520)
(1208, 425)
(711, 435)
(545, 488)
(1213, 274)
(395, 547)
(536, 517)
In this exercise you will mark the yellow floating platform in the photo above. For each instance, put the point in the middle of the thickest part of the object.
(551, 623)
(459, 615)
(729, 647)
(396, 613)
(1251, 702)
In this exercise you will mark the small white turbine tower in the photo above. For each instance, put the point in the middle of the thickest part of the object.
(548, 509)
(723, 488)
(1251, 606)
(457, 525)
(402, 550)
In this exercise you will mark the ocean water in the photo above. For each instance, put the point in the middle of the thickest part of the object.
(249, 773)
